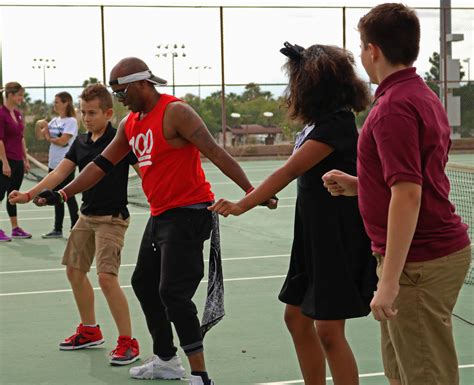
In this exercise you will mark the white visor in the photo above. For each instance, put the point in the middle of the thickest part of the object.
(135, 77)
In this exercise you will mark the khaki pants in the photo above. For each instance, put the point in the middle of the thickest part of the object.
(417, 344)
(99, 236)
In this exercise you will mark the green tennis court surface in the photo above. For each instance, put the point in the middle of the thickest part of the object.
(250, 346)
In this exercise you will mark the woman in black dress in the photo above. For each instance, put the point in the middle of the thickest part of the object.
(332, 273)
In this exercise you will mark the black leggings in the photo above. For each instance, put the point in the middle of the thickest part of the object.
(71, 205)
(8, 184)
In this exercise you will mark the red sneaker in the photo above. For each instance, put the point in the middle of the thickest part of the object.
(85, 337)
(126, 352)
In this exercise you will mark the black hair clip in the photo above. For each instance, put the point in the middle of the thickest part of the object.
(294, 52)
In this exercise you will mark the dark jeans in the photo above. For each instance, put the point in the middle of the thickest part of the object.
(169, 269)
(8, 184)
(71, 205)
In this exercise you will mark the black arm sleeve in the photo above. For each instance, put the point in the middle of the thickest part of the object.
(131, 158)
(104, 164)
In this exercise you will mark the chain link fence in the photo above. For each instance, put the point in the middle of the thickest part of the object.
(224, 61)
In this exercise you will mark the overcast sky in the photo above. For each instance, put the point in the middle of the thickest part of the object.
(252, 39)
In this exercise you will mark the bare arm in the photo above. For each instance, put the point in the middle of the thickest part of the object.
(3, 153)
(6, 170)
(25, 157)
(188, 124)
(136, 167)
(92, 173)
(44, 129)
(51, 180)
(402, 219)
(41, 129)
(310, 154)
(61, 141)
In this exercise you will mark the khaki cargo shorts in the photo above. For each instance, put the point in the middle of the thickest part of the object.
(417, 344)
(99, 236)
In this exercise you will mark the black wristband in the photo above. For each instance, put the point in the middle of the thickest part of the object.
(103, 163)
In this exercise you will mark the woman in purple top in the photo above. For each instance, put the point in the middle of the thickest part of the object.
(13, 160)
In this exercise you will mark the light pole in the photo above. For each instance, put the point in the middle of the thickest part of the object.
(199, 68)
(173, 50)
(236, 117)
(468, 61)
(268, 115)
(44, 63)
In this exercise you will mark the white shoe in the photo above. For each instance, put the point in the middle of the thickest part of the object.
(197, 380)
(155, 367)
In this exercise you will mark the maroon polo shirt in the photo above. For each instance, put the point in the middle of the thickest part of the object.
(11, 133)
(406, 138)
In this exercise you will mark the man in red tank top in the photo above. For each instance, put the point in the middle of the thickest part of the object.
(167, 136)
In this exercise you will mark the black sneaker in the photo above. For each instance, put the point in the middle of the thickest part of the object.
(53, 234)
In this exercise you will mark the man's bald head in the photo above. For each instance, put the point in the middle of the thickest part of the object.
(128, 66)
(133, 84)
(133, 69)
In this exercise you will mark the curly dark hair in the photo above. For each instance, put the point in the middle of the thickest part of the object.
(322, 81)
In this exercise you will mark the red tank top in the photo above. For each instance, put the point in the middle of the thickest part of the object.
(171, 177)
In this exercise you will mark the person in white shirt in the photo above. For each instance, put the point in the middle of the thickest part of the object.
(60, 132)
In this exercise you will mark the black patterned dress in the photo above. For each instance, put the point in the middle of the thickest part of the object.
(332, 270)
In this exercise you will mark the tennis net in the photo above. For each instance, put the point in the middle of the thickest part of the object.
(461, 177)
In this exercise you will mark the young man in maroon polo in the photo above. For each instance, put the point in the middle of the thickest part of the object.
(422, 246)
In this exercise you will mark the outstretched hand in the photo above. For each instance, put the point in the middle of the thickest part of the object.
(339, 183)
(17, 197)
(224, 208)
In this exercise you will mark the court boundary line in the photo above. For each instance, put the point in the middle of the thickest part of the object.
(54, 269)
(130, 286)
(374, 374)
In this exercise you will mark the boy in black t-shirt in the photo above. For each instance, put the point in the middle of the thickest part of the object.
(99, 231)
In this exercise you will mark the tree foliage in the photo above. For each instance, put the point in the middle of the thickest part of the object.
(250, 105)
(91, 80)
(466, 92)
(432, 77)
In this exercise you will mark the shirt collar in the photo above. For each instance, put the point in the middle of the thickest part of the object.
(106, 133)
(396, 77)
